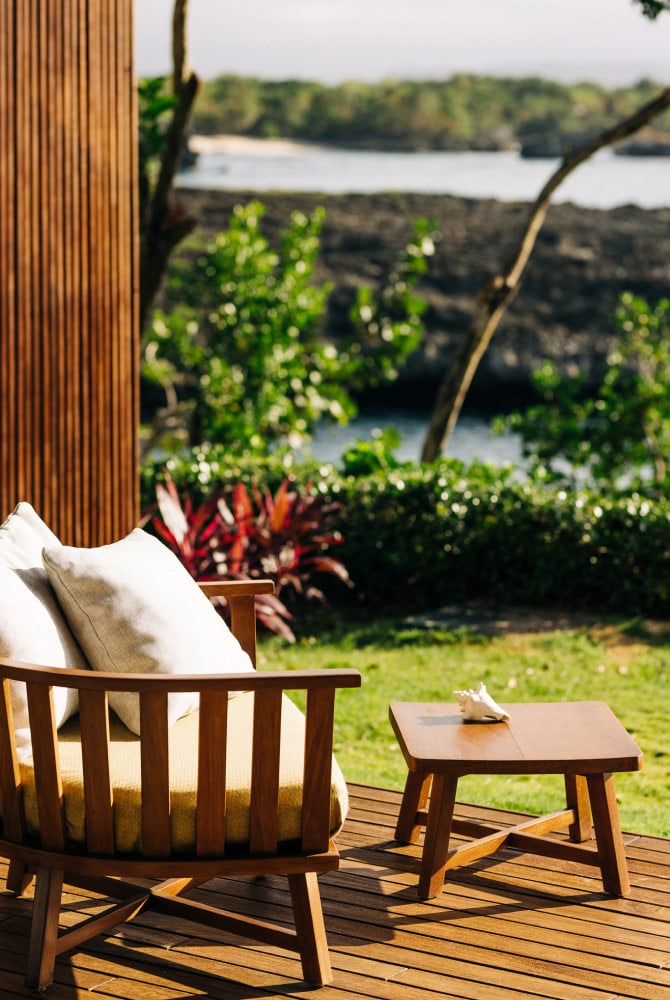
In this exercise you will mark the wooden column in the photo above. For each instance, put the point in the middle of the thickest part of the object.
(68, 327)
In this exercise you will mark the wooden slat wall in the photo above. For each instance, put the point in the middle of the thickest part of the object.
(68, 319)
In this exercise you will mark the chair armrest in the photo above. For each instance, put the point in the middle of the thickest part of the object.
(241, 597)
(235, 588)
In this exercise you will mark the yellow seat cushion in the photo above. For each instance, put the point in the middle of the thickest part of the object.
(124, 758)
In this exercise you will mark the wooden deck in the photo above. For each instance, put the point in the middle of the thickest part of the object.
(509, 927)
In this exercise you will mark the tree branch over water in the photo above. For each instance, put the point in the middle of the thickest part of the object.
(497, 294)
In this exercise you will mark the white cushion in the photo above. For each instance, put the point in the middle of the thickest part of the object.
(32, 626)
(135, 609)
(126, 780)
(23, 536)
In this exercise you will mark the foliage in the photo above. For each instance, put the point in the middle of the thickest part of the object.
(465, 111)
(237, 534)
(621, 434)
(419, 537)
(153, 105)
(365, 457)
(619, 661)
(241, 353)
(652, 8)
(388, 327)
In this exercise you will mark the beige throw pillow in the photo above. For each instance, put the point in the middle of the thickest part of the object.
(135, 609)
(32, 626)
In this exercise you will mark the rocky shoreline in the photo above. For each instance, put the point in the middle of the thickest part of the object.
(583, 260)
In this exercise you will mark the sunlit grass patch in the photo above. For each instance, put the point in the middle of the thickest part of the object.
(627, 667)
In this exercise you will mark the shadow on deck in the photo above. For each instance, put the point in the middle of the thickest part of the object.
(508, 927)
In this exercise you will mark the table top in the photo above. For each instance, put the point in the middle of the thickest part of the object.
(582, 737)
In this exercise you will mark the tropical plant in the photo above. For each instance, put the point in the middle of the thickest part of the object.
(240, 534)
(622, 433)
(362, 458)
(241, 353)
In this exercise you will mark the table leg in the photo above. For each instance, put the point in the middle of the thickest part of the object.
(608, 834)
(438, 831)
(577, 798)
(415, 796)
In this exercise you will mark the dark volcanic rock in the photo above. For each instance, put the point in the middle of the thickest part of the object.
(582, 262)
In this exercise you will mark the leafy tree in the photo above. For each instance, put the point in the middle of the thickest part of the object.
(652, 8)
(623, 432)
(241, 355)
(464, 111)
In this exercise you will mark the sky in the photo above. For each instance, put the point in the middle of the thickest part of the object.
(608, 41)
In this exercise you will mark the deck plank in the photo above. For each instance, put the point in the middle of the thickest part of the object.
(508, 927)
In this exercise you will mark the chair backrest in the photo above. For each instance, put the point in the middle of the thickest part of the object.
(40, 781)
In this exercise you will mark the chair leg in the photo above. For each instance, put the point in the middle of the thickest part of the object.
(18, 878)
(44, 929)
(310, 928)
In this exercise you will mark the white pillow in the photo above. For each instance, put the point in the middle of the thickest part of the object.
(23, 536)
(32, 626)
(135, 609)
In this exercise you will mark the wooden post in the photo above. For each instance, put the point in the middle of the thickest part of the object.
(68, 290)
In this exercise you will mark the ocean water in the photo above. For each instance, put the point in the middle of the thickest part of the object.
(472, 438)
(605, 181)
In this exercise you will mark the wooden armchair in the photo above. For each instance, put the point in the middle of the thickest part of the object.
(210, 796)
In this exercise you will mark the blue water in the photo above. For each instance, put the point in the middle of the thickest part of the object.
(472, 438)
(605, 181)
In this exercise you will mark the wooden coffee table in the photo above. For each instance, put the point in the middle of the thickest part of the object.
(584, 741)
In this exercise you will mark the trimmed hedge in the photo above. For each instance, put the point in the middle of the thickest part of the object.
(423, 536)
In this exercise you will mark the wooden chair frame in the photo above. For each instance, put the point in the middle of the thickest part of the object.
(53, 862)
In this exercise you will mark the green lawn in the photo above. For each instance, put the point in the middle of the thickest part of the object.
(626, 664)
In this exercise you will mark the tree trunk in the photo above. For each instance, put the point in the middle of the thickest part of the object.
(164, 222)
(495, 297)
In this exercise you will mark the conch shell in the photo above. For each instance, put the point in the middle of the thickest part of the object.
(479, 704)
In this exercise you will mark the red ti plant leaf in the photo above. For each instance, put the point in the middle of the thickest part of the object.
(238, 535)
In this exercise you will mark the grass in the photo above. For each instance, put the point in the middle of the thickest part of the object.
(626, 664)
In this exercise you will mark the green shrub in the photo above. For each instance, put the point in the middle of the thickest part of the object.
(417, 537)
(622, 433)
(240, 352)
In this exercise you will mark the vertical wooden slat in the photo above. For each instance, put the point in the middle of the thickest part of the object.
(114, 288)
(243, 623)
(83, 532)
(155, 774)
(96, 415)
(11, 799)
(37, 53)
(318, 770)
(47, 769)
(264, 807)
(23, 291)
(211, 798)
(7, 192)
(94, 727)
(69, 370)
(68, 297)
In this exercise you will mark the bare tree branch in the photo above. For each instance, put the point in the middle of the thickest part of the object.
(495, 297)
